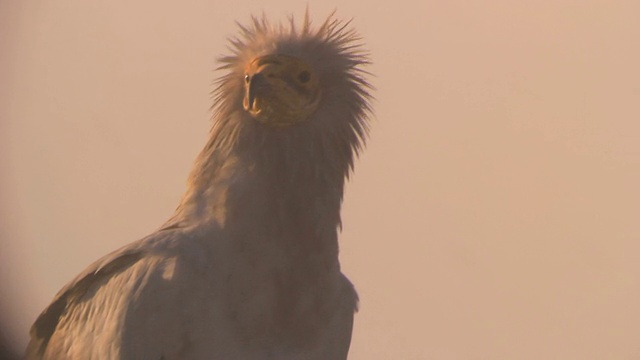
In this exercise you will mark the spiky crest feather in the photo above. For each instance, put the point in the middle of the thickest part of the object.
(334, 49)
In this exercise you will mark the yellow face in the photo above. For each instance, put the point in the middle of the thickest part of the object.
(280, 90)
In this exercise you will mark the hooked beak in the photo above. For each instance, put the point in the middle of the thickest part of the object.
(255, 86)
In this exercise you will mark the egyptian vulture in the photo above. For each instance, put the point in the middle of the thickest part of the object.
(247, 267)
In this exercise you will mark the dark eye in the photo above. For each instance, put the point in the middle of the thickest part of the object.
(304, 76)
(247, 78)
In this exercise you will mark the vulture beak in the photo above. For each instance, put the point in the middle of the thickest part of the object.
(254, 88)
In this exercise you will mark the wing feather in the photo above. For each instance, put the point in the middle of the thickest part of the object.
(46, 324)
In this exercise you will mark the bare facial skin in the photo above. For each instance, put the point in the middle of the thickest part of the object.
(280, 90)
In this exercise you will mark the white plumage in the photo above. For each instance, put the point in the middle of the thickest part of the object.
(247, 267)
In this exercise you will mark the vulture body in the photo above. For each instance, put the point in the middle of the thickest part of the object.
(247, 267)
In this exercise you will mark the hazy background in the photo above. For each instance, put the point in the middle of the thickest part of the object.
(495, 214)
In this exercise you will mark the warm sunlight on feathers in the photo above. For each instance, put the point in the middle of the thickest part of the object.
(247, 267)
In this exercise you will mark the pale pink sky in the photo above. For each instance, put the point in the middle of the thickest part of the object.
(494, 215)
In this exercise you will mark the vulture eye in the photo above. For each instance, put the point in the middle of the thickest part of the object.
(247, 78)
(304, 76)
